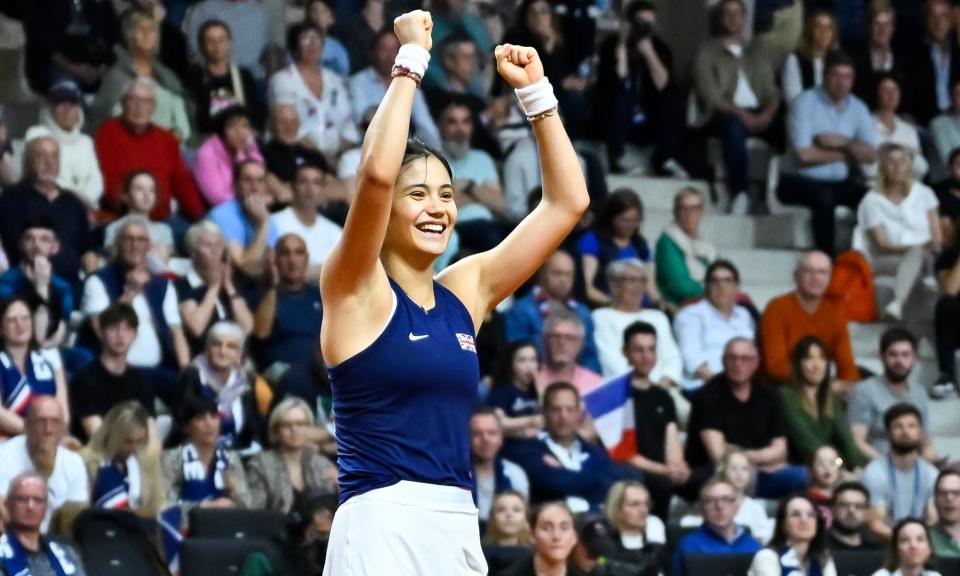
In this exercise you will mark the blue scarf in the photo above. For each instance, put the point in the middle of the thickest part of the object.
(200, 484)
(117, 485)
(17, 389)
(790, 564)
(13, 556)
(229, 399)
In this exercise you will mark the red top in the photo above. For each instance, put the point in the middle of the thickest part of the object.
(120, 152)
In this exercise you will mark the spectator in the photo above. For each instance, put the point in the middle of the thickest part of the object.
(909, 551)
(9, 171)
(824, 469)
(639, 536)
(799, 542)
(948, 193)
(872, 397)
(735, 468)
(25, 550)
(947, 317)
(38, 450)
(628, 280)
(828, 128)
(479, 195)
(614, 236)
(848, 508)
(202, 472)
(160, 345)
(732, 409)
(524, 320)
(207, 293)
(636, 93)
(323, 15)
(320, 95)
(233, 142)
(25, 371)
(457, 76)
(49, 295)
(287, 319)
(123, 462)
(357, 30)
(559, 463)
(38, 195)
(945, 127)
(945, 534)
(682, 255)
(719, 534)
(247, 22)
(245, 220)
(291, 467)
(72, 40)
(904, 466)
(173, 44)
(703, 329)
(369, 86)
(891, 129)
(218, 82)
(735, 84)
(139, 197)
(138, 59)
(934, 63)
(877, 57)
(311, 186)
(110, 380)
(803, 68)
(492, 473)
(804, 312)
(243, 398)
(452, 18)
(900, 226)
(508, 525)
(814, 415)
(514, 395)
(132, 142)
(644, 432)
(287, 150)
(563, 342)
(553, 538)
(63, 118)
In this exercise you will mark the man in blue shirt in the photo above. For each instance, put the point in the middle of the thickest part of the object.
(245, 219)
(718, 534)
(829, 129)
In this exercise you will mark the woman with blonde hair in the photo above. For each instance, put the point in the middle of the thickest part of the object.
(508, 525)
(292, 467)
(803, 68)
(123, 462)
(898, 226)
(638, 534)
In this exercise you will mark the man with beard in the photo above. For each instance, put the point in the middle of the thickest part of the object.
(871, 398)
(38, 450)
(849, 506)
(901, 484)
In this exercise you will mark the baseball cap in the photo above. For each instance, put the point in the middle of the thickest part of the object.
(65, 91)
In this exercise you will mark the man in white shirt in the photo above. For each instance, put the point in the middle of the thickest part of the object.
(310, 186)
(703, 329)
(38, 450)
(492, 473)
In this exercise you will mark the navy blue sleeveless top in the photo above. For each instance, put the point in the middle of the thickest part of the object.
(402, 405)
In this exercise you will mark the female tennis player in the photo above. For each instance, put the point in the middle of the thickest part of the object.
(399, 344)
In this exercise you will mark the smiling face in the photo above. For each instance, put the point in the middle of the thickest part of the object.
(423, 212)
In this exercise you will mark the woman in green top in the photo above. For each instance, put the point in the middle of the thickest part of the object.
(813, 414)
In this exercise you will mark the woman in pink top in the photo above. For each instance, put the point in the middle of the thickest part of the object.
(232, 143)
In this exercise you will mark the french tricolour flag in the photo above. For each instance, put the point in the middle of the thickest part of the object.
(611, 407)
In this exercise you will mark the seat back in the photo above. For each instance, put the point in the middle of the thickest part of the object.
(717, 564)
(858, 562)
(236, 523)
(225, 556)
(118, 542)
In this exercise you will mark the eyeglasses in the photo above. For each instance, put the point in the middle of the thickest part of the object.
(728, 500)
(292, 424)
(859, 506)
(722, 280)
(691, 207)
(948, 493)
(812, 514)
(564, 337)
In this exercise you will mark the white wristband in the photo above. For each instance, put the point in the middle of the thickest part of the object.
(536, 98)
(414, 58)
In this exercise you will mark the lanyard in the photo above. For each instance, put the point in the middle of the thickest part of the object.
(916, 488)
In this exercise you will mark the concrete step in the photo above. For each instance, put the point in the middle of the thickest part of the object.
(945, 417)
(947, 446)
(657, 193)
(722, 230)
(762, 294)
(763, 267)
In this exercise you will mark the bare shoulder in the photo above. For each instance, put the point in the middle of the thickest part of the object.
(464, 280)
(351, 322)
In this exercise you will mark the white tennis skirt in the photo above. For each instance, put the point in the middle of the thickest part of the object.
(407, 529)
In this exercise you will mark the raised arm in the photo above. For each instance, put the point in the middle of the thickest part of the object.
(483, 280)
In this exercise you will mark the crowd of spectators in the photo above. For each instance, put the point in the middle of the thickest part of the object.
(165, 219)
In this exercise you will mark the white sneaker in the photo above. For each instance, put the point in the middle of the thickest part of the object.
(740, 206)
(675, 170)
(893, 311)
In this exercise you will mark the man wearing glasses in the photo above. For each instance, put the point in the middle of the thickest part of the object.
(849, 510)
(718, 534)
(945, 534)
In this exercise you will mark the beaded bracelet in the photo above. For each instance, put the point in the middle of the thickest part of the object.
(399, 71)
(542, 115)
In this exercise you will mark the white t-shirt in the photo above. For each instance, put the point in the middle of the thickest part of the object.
(68, 483)
(145, 352)
(744, 97)
(906, 223)
(327, 120)
(320, 238)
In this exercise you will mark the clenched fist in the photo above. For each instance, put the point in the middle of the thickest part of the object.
(520, 66)
(414, 28)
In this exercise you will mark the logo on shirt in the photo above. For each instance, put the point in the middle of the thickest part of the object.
(466, 342)
(417, 337)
